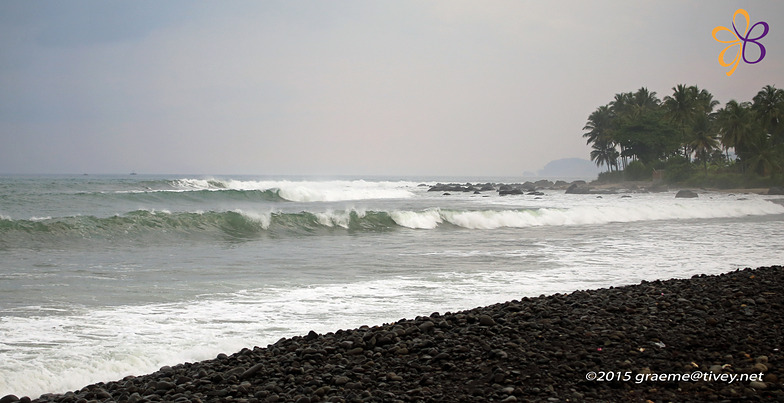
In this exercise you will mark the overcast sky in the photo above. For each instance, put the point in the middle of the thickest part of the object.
(344, 87)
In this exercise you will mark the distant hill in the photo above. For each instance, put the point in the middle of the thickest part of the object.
(570, 168)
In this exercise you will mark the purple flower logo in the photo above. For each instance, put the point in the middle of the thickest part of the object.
(741, 39)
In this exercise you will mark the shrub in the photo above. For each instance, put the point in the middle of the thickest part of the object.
(610, 177)
(637, 171)
(678, 169)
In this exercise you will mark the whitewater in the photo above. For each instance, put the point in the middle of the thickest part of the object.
(102, 277)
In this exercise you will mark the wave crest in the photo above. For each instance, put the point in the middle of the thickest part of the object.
(306, 191)
(152, 226)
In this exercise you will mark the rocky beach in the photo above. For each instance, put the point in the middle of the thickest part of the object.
(707, 338)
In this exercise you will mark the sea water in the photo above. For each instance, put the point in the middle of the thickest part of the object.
(107, 276)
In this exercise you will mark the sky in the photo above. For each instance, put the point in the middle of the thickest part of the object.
(344, 87)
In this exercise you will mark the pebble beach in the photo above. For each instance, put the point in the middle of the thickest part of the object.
(706, 338)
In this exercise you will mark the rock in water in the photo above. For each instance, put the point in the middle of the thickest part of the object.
(685, 194)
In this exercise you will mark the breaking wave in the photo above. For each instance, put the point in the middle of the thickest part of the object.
(239, 224)
(304, 191)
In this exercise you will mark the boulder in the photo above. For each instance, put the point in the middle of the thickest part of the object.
(577, 189)
(543, 183)
(511, 191)
(451, 187)
(582, 189)
(685, 194)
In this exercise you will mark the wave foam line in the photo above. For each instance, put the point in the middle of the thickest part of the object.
(307, 191)
(583, 215)
(249, 224)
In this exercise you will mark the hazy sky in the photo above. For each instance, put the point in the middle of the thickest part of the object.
(344, 87)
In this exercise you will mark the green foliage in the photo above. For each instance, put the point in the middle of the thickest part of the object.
(688, 140)
(611, 177)
(677, 169)
(732, 180)
(637, 171)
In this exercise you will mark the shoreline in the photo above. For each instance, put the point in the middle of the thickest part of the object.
(724, 326)
(631, 185)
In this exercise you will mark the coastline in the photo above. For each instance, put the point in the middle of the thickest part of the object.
(724, 326)
(630, 186)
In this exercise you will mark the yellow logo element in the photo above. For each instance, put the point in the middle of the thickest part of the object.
(741, 40)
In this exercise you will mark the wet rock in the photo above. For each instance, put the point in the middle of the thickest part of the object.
(486, 320)
(252, 371)
(164, 386)
(581, 188)
(758, 385)
(686, 194)
(506, 192)
(427, 326)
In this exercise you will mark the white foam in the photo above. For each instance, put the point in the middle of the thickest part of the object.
(35, 218)
(601, 214)
(331, 218)
(310, 191)
(263, 219)
(63, 352)
(427, 219)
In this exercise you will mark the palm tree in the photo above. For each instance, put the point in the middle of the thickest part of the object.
(604, 153)
(680, 109)
(703, 140)
(680, 106)
(705, 101)
(735, 125)
(769, 106)
(763, 157)
(686, 108)
(599, 125)
(645, 100)
(631, 112)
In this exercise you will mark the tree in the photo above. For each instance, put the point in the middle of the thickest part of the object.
(764, 159)
(604, 153)
(632, 115)
(638, 127)
(647, 137)
(769, 107)
(687, 107)
(599, 126)
(705, 101)
(680, 109)
(703, 139)
(736, 126)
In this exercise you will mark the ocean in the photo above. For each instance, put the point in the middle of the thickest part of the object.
(102, 277)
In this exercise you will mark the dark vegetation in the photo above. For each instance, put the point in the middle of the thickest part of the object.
(683, 139)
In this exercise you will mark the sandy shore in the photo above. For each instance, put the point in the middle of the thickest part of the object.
(647, 342)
